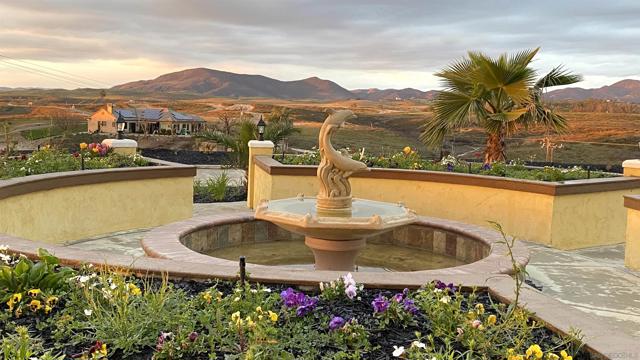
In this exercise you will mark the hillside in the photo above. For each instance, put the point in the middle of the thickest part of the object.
(394, 94)
(626, 91)
(226, 84)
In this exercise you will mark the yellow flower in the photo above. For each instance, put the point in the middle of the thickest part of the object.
(219, 296)
(18, 312)
(259, 309)
(103, 350)
(406, 150)
(565, 356)
(534, 352)
(16, 298)
(33, 292)
(83, 146)
(47, 309)
(134, 290)
(249, 321)
(480, 309)
(207, 297)
(52, 300)
(273, 316)
(95, 150)
(471, 315)
(35, 305)
(235, 317)
(492, 319)
(551, 356)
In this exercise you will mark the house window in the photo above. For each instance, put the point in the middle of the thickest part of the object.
(103, 123)
(113, 124)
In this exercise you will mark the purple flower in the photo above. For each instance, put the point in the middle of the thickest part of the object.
(336, 323)
(486, 167)
(303, 303)
(444, 287)
(410, 306)
(193, 336)
(449, 167)
(291, 298)
(380, 304)
(307, 305)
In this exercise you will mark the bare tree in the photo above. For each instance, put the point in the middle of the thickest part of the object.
(227, 123)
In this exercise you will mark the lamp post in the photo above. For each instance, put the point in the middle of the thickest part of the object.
(120, 125)
(261, 126)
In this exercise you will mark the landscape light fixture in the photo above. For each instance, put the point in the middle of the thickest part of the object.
(261, 126)
(120, 124)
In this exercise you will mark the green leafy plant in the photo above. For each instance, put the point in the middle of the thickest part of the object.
(21, 346)
(499, 94)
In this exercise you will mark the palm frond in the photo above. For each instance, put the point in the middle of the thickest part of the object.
(558, 76)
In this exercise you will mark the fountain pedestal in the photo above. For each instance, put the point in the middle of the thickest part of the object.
(338, 255)
(334, 224)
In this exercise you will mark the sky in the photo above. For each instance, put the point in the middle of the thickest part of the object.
(358, 44)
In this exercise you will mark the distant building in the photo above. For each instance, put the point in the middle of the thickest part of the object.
(144, 121)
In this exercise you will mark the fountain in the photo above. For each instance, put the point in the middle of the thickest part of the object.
(334, 224)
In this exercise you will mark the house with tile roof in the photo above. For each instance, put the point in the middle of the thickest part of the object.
(144, 121)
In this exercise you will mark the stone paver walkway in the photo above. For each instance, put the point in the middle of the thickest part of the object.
(593, 280)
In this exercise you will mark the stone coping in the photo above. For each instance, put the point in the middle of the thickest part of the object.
(165, 242)
(273, 167)
(632, 202)
(605, 341)
(35, 183)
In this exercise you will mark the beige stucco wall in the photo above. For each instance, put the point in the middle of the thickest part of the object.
(561, 221)
(591, 219)
(72, 213)
(632, 247)
(102, 115)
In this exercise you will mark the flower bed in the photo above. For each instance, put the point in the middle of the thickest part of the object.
(96, 314)
(48, 160)
(410, 159)
(219, 189)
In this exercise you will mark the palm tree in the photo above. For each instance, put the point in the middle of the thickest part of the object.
(501, 95)
(279, 127)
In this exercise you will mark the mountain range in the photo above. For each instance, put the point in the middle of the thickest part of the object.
(208, 82)
(627, 90)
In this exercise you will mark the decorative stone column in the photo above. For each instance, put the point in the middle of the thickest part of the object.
(122, 146)
(631, 167)
(256, 148)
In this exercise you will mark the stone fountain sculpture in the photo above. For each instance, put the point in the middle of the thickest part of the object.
(334, 224)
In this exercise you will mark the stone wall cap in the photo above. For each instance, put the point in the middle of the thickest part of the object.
(632, 163)
(120, 143)
(261, 144)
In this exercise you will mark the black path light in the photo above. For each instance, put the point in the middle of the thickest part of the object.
(120, 124)
(261, 127)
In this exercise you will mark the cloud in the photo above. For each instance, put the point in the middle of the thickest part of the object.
(369, 43)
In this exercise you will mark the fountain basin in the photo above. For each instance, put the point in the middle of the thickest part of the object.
(450, 247)
(336, 240)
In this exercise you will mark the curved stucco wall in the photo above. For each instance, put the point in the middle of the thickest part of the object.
(64, 207)
(569, 215)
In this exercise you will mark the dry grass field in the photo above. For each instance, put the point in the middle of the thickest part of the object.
(380, 127)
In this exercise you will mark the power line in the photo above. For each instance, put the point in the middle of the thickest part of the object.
(56, 70)
(47, 73)
(19, 67)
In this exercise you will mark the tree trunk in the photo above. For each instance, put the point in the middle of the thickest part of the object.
(495, 150)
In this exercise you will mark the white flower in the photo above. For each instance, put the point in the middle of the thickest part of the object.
(237, 298)
(348, 280)
(84, 278)
(445, 299)
(88, 312)
(398, 351)
(4, 247)
(321, 286)
(350, 291)
(267, 290)
(113, 286)
(418, 344)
